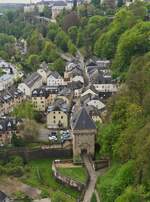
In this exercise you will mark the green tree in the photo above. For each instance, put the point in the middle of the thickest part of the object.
(53, 29)
(106, 45)
(47, 12)
(73, 33)
(49, 53)
(61, 41)
(35, 42)
(30, 131)
(58, 66)
(17, 141)
(130, 195)
(60, 197)
(71, 48)
(24, 110)
(33, 62)
(132, 42)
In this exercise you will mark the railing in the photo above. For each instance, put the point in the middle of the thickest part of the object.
(68, 181)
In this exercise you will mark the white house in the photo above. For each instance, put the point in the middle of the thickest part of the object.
(54, 79)
(32, 82)
(57, 7)
(89, 91)
(29, 8)
(78, 78)
(5, 81)
(106, 87)
(96, 103)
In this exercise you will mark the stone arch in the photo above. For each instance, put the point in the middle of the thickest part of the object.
(84, 148)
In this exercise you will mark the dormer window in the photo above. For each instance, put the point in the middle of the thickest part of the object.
(9, 124)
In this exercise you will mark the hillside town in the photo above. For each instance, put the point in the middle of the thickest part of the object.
(84, 86)
(74, 101)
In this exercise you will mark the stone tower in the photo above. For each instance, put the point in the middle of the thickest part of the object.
(84, 131)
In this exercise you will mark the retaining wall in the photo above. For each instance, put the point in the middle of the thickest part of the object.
(33, 154)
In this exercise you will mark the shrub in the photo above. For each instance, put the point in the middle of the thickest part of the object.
(17, 171)
(113, 183)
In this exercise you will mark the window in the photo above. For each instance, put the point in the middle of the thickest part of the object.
(62, 117)
(53, 112)
(54, 117)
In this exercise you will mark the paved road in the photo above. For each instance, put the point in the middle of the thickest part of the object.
(43, 134)
(83, 65)
(93, 178)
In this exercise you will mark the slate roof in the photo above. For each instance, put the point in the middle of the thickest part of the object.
(86, 98)
(83, 121)
(32, 79)
(56, 75)
(2, 196)
(65, 92)
(8, 124)
(40, 92)
(91, 87)
(75, 85)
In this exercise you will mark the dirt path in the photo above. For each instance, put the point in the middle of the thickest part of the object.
(11, 185)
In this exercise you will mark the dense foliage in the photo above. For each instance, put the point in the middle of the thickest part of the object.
(124, 136)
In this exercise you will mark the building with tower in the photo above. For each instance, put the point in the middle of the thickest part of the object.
(84, 132)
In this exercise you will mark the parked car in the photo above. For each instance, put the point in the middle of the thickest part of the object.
(65, 136)
(53, 133)
(52, 138)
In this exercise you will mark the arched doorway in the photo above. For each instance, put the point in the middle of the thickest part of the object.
(84, 148)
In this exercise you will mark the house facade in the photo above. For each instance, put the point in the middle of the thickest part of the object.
(6, 81)
(32, 82)
(54, 79)
(7, 127)
(57, 116)
(39, 99)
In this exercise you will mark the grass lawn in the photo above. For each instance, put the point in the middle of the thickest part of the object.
(77, 173)
(39, 174)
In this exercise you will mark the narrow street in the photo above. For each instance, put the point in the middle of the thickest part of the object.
(83, 65)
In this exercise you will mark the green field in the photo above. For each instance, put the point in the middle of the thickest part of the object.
(77, 173)
(39, 174)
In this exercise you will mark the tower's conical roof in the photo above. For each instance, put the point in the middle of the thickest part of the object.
(83, 121)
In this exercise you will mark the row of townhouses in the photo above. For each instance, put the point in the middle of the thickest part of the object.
(55, 95)
(9, 99)
(8, 126)
(60, 97)
(9, 74)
